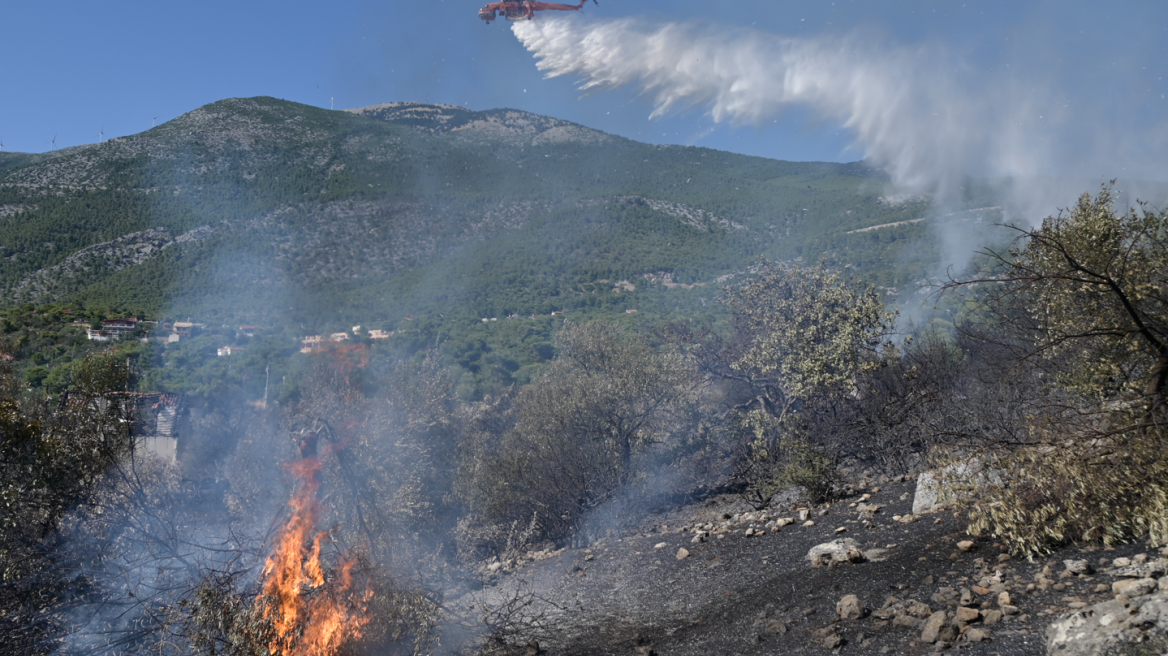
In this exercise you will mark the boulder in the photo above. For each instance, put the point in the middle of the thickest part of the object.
(844, 550)
(1111, 628)
(936, 488)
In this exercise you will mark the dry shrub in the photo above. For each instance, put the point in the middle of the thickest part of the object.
(1111, 490)
(778, 457)
(575, 439)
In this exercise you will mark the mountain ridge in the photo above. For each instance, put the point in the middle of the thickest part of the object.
(363, 201)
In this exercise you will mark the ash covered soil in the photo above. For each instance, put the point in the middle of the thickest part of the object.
(759, 594)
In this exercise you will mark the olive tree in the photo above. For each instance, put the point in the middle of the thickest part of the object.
(1084, 297)
(1090, 288)
(801, 333)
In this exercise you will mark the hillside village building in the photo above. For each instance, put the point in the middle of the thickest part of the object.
(119, 326)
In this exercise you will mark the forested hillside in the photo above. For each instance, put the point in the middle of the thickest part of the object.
(258, 205)
(421, 221)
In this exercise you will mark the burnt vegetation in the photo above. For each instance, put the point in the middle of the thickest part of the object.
(115, 549)
(337, 502)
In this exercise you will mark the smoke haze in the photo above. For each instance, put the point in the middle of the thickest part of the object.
(921, 113)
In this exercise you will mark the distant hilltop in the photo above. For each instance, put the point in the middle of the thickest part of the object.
(497, 123)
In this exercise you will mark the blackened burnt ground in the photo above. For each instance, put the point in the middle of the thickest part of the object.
(759, 595)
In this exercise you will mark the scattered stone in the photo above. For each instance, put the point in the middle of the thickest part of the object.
(803, 514)
(933, 627)
(682, 553)
(844, 550)
(850, 608)
(1121, 562)
(968, 615)
(533, 649)
(809, 523)
(1153, 570)
(1003, 557)
(907, 622)
(965, 545)
(1010, 610)
(977, 635)
(1078, 567)
(1004, 599)
(661, 545)
(776, 627)
(980, 590)
(1132, 588)
(842, 529)
(785, 521)
(992, 617)
(828, 637)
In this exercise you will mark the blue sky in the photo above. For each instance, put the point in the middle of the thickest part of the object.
(71, 68)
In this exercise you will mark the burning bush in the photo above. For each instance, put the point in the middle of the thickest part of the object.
(308, 604)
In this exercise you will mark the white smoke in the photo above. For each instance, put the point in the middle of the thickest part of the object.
(926, 118)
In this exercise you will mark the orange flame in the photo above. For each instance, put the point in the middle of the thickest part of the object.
(309, 615)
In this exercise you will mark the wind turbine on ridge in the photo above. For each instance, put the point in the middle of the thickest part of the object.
(154, 121)
(54, 142)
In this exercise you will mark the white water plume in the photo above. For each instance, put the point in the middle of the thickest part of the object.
(926, 118)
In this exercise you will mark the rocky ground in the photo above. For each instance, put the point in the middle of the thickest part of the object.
(716, 578)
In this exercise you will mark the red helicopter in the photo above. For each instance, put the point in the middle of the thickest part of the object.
(517, 10)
